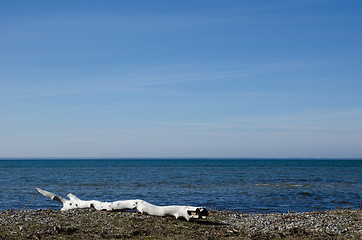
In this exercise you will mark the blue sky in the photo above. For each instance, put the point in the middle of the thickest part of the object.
(181, 79)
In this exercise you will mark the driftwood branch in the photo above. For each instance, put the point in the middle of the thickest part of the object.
(74, 202)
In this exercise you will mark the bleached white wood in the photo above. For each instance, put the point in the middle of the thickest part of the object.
(187, 212)
(75, 203)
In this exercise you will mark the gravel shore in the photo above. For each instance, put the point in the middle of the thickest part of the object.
(90, 224)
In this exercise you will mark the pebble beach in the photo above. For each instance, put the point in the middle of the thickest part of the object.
(91, 224)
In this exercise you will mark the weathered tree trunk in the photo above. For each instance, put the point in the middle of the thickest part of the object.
(74, 202)
(186, 212)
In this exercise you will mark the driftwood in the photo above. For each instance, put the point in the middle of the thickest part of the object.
(74, 202)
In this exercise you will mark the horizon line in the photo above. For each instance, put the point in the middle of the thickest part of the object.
(180, 158)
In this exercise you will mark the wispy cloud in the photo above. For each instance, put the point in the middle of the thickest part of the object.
(221, 72)
(141, 81)
(310, 120)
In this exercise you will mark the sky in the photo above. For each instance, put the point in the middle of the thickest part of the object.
(181, 79)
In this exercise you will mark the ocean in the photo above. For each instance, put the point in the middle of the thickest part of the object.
(251, 186)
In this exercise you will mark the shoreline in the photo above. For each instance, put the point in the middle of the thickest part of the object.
(90, 224)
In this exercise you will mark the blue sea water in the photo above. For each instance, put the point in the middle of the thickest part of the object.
(254, 186)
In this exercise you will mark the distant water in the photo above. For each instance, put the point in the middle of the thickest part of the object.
(237, 185)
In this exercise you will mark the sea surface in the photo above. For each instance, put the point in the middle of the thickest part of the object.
(253, 186)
